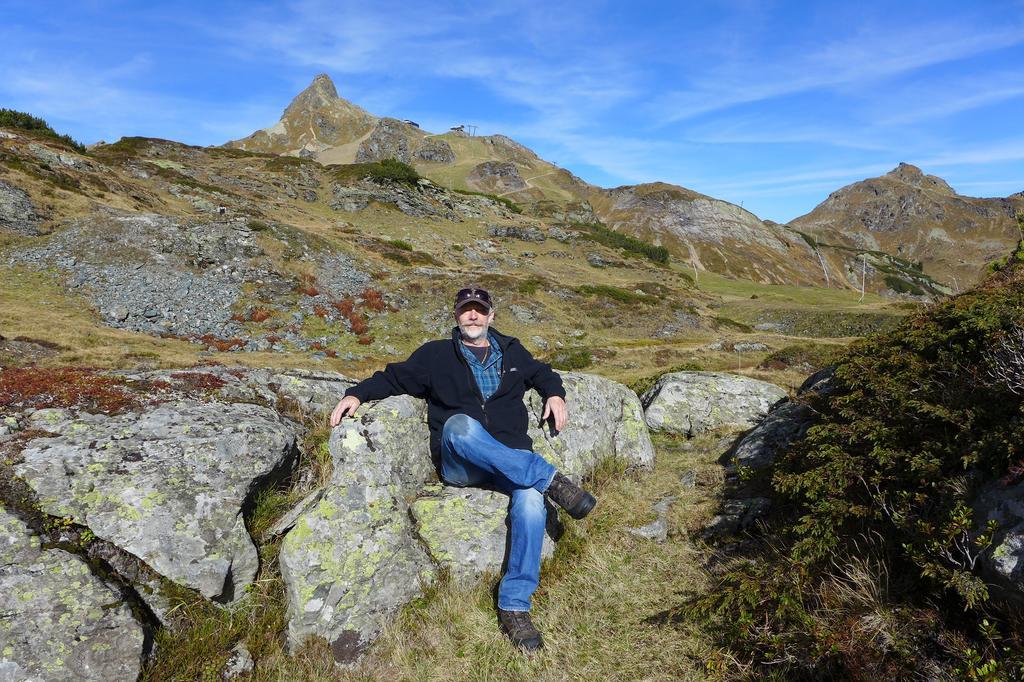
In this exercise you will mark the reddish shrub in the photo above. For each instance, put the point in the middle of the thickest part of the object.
(199, 380)
(322, 312)
(359, 324)
(308, 290)
(221, 345)
(345, 306)
(238, 317)
(260, 314)
(373, 300)
(66, 387)
(365, 340)
(330, 352)
(273, 338)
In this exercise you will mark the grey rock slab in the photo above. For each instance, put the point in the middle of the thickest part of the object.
(239, 663)
(786, 423)
(436, 151)
(465, 529)
(737, 515)
(606, 420)
(1004, 504)
(783, 425)
(656, 530)
(691, 403)
(57, 620)
(352, 560)
(167, 485)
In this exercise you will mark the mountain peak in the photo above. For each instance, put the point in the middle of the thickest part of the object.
(315, 120)
(319, 94)
(324, 83)
(914, 176)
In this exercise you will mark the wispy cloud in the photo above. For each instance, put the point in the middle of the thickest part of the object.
(863, 58)
(939, 98)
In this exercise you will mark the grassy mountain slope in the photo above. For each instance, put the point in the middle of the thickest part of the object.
(630, 316)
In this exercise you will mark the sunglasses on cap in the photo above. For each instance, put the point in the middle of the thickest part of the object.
(470, 294)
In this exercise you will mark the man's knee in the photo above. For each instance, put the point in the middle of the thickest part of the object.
(527, 502)
(458, 426)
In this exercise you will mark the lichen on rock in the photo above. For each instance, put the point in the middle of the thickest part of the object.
(68, 624)
(167, 485)
(692, 403)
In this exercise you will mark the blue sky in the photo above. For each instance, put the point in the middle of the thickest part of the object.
(768, 104)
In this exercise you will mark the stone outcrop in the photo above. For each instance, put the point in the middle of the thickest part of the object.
(692, 403)
(526, 233)
(167, 485)
(435, 151)
(353, 559)
(496, 177)
(420, 201)
(17, 213)
(357, 554)
(390, 139)
(58, 621)
(786, 423)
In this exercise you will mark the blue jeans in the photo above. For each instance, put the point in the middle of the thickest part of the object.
(470, 456)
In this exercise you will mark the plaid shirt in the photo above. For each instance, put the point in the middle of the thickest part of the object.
(488, 376)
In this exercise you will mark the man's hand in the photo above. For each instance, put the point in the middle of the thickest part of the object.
(347, 406)
(555, 406)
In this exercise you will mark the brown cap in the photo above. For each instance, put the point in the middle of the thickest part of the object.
(473, 295)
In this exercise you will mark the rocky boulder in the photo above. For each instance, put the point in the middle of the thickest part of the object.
(58, 621)
(352, 559)
(17, 212)
(496, 177)
(691, 403)
(1004, 564)
(389, 140)
(168, 485)
(436, 151)
(466, 529)
(362, 550)
(526, 233)
(786, 423)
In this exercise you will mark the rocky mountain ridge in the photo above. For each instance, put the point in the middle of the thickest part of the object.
(707, 233)
(919, 218)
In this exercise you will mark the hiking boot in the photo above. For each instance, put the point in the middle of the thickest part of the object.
(570, 497)
(519, 628)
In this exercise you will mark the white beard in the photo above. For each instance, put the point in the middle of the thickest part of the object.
(473, 333)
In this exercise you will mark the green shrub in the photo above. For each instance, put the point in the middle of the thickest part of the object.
(601, 234)
(530, 285)
(17, 119)
(913, 430)
(378, 171)
(399, 244)
(808, 356)
(902, 286)
(567, 359)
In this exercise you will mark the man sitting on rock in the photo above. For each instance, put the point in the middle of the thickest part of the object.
(474, 385)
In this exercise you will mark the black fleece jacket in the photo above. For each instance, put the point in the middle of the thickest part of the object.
(438, 372)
